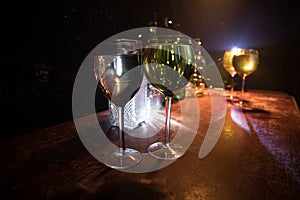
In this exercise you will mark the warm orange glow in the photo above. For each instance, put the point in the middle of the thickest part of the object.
(249, 67)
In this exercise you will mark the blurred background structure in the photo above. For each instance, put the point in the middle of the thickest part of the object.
(44, 43)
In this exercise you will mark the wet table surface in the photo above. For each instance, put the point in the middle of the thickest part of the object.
(255, 156)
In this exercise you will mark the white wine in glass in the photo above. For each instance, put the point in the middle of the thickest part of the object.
(227, 64)
(169, 64)
(245, 62)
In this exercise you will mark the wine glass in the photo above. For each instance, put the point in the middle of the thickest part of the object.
(169, 65)
(245, 61)
(120, 75)
(227, 64)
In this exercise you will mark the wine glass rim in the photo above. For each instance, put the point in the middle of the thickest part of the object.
(119, 46)
(237, 51)
(170, 39)
(241, 48)
(124, 40)
(105, 56)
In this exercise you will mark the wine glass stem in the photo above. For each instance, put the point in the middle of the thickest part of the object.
(168, 101)
(232, 88)
(121, 127)
(243, 89)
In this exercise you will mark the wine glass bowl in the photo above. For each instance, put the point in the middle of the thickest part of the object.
(169, 65)
(120, 74)
(246, 61)
(227, 62)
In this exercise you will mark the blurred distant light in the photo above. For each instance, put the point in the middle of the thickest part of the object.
(236, 50)
(153, 29)
(168, 22)
(198, 41)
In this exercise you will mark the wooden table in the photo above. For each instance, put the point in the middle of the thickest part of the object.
(257, 156)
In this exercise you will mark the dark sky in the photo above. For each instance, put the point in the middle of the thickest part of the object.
(46, 28)
(223, 24)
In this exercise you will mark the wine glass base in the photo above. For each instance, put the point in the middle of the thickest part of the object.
(234, 100)
(242, 106)
(166, 152)
(120, 159)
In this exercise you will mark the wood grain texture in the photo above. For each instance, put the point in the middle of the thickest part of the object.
(256, 157)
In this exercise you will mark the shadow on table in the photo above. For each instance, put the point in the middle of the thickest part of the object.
(128, 190)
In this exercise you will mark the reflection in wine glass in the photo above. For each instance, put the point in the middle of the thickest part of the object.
(197, 78)
(227, 64)
(119, 76)
(169, 65)
(245, 62)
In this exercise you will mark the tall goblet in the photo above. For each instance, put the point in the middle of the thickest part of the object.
(227, 64)
(245, 62)
(119, 74)
(169, 65)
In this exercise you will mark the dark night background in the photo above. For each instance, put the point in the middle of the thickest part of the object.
(56, 36)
